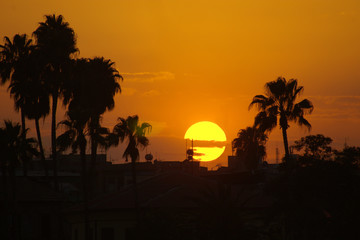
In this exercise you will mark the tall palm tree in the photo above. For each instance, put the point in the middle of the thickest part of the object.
(56, 41)
(37, 105)
(279, 102)
(14, 67)
(74, 137)
(94, 85)
(134, 132)
(101, 88)
(27, 87)
(250, 144)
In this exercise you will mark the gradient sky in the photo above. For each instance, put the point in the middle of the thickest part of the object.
(188, 61)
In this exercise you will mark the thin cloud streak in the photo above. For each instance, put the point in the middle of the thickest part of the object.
(148, 77)
(128, 91)
(336, 107)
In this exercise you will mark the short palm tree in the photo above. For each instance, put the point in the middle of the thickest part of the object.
(134, 132)
(250, 144)
(13, 147)
(56, 42)
(278, 106)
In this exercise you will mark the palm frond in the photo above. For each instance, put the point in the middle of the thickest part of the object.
(303, 122)
(265, 122)
(260, 101)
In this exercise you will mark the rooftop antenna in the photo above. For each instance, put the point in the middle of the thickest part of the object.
(192, 159)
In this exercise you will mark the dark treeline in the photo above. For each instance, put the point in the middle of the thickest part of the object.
(41, 72)
(317, 190)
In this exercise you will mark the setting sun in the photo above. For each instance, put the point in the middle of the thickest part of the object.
(211, 138)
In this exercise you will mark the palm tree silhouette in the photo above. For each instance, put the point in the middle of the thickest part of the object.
(14, 145)
(279, 102)
(14, 67)
(250, 144)
(74, 137)
(93, 86)
(101, 87)
(134, 132)
(56, 41)
(37, 99)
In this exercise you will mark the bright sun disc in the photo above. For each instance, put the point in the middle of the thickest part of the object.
(209, 140)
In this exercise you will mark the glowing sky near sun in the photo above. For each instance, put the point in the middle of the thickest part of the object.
(185, 61)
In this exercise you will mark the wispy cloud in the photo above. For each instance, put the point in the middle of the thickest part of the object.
(128, 91)
(336, 107)
(151, 93)
(157, 127)
(148, 76)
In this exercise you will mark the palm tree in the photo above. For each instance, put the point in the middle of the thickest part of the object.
(279, 103)
(94, 85)
(14, 67)
(74, 137)
(56, 42)
(102, 85)
(131, 130)
(250, 144)
(26, 86)
(13, 147)
(37, 105)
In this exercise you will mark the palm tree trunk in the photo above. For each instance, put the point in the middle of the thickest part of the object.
(42, 154)
(286, 144)
(92, 166)
(53, 138)
(23, 126)
(23, 129)
(94, 124)
(93, 121)
(85, 189)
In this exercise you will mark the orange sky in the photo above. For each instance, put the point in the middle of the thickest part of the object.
(189, 61)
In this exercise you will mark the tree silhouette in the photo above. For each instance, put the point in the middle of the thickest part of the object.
(37, 100)
(14, 67)
(93, 85)
(279, 103)
(134, 132)
(316, 148)
(101, 87)
(15, 147)
(56, 42)
(74, 138)
(250, 144)
(349, 156)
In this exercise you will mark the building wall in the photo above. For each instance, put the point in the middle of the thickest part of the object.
(103, 226)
